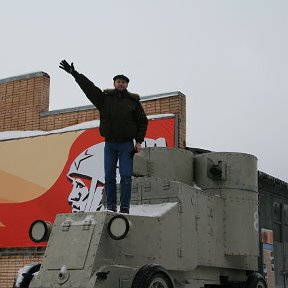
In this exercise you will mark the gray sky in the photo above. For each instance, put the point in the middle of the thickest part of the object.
(229, 57)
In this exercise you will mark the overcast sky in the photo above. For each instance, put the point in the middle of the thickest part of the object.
(229, 57)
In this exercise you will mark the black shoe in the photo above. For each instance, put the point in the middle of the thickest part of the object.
(112, 209)
(124, 210)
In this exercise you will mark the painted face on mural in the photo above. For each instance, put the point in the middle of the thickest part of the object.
(86, 175)
(79, 194)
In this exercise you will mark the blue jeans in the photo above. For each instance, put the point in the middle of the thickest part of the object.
(113, 152)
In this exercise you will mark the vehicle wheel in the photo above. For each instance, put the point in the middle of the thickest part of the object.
(25, 275)
(152, 276)
(256, 280)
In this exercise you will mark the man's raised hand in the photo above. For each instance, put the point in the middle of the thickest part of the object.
(67, 67)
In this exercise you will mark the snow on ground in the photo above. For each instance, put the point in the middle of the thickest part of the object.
(20, 277)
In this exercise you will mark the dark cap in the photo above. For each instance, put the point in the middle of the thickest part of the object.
(123, 77)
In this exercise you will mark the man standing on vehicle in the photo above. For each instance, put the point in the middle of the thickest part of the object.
(122, 120)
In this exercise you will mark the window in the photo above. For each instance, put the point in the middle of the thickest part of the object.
(285, 223)
(277, 218)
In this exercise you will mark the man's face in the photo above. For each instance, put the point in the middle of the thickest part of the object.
(120, 84)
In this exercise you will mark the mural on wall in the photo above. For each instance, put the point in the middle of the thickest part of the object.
(57, 173)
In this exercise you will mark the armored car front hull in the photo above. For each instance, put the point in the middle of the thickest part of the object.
(192, 223)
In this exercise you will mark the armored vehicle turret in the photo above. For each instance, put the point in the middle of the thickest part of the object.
(192, 223)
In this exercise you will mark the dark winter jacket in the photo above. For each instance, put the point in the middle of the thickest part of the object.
(122, 117)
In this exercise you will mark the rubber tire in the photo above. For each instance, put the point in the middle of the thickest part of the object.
(26, 280)
(256, 280)
(150, 275)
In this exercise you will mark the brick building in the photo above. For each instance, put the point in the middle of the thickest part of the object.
(25, 106)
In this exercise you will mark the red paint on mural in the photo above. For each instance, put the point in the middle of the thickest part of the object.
(72, 186)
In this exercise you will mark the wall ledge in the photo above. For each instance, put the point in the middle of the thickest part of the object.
(24, 77)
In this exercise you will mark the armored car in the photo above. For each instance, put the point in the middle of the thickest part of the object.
(193, 223)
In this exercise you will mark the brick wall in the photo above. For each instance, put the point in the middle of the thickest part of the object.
(25, 106)
(22, 99)
(11, 260)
